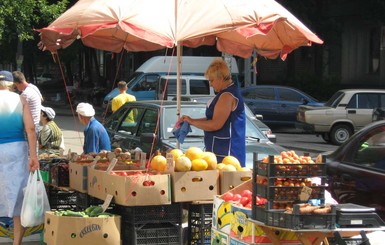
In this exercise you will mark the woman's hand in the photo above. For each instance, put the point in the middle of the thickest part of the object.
(33, 164)
(187, 119)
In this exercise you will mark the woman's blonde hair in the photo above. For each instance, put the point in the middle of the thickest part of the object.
(218, 69)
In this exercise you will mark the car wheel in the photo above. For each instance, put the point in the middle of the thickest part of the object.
(340, 133)
(326, 137)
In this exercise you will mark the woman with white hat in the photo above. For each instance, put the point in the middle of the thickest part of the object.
(50, 137)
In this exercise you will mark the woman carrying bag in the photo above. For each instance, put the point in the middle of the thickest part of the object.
(18, 154)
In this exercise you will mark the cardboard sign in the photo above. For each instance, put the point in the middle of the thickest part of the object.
(107, 202)
(111, 166)
(305, 193)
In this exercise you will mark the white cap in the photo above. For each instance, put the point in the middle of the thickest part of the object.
(49, 112)
(85, 109)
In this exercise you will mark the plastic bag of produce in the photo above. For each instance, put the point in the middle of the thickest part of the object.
(35, 202)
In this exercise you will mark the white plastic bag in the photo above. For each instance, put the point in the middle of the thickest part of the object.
(35, 202)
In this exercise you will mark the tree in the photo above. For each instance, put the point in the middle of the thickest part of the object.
(19, 18)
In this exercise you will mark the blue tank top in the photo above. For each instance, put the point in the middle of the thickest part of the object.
(11, 118)
(231, 138)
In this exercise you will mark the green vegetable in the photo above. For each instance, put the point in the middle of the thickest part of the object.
(96, 211)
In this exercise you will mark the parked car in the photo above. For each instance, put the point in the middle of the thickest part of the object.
(277, 104)
(356, 169)
(128, 135)
(344, 113)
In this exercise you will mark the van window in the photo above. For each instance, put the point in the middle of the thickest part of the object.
(199, 87)
(171, 86)
(148, 83)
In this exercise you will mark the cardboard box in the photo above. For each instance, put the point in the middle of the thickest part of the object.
(78, 172)
(195, 185)
(222, 210)
(78, 176)
(134, 190)
(230, 179)
(64, 230)
(96, 186)
(218, 237)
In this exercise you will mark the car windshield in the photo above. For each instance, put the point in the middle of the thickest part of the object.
(133, 77)
(335, 99)
(198, 111)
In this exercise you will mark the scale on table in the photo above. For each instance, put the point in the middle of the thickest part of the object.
(354, 215)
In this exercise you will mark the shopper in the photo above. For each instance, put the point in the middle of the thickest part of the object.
(18, 156)
(95, 135)
(50, 137)
(225, 121)
(32, 94)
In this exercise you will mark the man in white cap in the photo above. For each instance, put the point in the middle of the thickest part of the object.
(95, 135)
(50, 137)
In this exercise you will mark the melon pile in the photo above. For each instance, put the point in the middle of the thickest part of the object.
(195, 159)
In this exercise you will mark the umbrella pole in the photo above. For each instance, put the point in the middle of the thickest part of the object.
(178, 84)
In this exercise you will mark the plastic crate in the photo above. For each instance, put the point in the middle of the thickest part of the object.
(199, 223)
(59, 174)
(338, 240)
(295, 220)
(290, 170)
(288, 193)
(165, 234)
(151, 214)
(60, 199)
(83, 200)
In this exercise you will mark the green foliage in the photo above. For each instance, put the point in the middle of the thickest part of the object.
(18, 18)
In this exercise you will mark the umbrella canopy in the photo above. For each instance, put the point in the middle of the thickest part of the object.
(236, 27)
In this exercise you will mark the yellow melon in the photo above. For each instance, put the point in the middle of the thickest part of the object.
(198, 164)
(229, 167)
(220, 166)
(176, 153)
(159, 163)
(231, 160)
(211, 160)
(183, 164)
(194, 153)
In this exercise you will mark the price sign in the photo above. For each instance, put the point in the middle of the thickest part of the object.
(112, 165)
(305, 193)
(107, 202)
(93, 164)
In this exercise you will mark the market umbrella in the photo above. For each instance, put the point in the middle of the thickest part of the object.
(236, 27)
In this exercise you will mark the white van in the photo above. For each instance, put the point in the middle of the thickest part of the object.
(191, 86)
(151, 71)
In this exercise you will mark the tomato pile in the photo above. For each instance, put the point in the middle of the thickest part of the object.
(244, 199)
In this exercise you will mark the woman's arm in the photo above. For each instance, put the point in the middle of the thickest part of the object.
(31, 134)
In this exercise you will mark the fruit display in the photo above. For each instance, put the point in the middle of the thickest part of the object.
(288, 182)
(195, 159)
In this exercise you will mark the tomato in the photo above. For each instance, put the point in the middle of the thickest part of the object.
(228, 196)
(248, 205)
(247, 193)
(244, 200)
(236, 197)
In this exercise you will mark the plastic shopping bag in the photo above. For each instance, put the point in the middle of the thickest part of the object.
(35, 202)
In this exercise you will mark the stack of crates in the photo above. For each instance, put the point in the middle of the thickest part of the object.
(61, 198)
(282, 185)
(83, 201)
(199, 223)
(158, 224)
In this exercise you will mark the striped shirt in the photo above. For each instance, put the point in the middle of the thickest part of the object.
(33, 96)
(50, 136)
